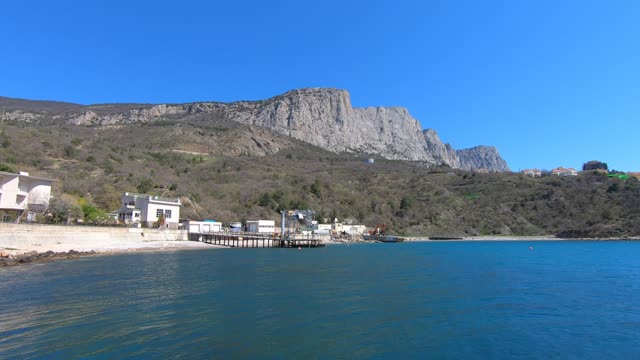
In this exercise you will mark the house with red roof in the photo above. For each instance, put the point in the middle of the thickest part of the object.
(561, 171)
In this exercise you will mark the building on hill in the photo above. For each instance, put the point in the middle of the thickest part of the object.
(202, 227)
(149, 211)
(22, 194)
(261, 226)
(561, 171)
(354, 229)
(532, 172)
(321, 228)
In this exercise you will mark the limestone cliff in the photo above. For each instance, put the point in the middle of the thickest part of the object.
(475, 158)
(325, 118)
(443, 153)
(319, 116)
(482, 157)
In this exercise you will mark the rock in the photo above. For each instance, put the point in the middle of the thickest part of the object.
(4, 254)
(443, 153)
(482, 157)
(319, 116)
(7, 262)
(25, 259)
(35, 257)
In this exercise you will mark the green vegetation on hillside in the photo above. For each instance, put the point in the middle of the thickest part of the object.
(231, 172)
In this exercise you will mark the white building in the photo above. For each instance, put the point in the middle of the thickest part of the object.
(347, 228)
(322, 228)
(147, 210)
(354, 229)
(261, 226)
(532, 173)
(20, 193)
(560, 171)
(202, 227)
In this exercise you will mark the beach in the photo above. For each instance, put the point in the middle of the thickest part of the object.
(17, 239)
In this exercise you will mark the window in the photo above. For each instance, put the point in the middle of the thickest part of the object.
(167, 214)
(159, 212)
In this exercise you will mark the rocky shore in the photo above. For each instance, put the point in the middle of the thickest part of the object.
(34, 257)
(347, 239)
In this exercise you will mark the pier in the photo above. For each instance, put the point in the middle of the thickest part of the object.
(254, 240)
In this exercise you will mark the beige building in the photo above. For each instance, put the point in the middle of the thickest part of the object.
(561, 171)
(532, 172)
(22, 195)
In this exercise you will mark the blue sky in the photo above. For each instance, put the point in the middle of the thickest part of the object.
(548, 83)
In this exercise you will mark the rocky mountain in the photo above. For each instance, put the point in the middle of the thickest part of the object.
(318, 116)
(481, 157)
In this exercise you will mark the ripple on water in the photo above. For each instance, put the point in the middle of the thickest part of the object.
(437, 300)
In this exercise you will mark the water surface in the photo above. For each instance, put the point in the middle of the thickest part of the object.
(440, 300)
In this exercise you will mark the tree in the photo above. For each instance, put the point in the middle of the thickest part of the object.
(91, 213)
(406, 202)
(161, 221)
(316, 189)
(61, 210)
(69, 151)
(594, 165)
(145, 185)
(7, 168)
(264, 200)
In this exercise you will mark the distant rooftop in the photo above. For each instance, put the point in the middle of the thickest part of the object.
(153, 197)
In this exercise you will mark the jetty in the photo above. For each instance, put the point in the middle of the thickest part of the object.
(255, 240)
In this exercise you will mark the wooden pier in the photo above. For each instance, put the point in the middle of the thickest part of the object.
(254, 240)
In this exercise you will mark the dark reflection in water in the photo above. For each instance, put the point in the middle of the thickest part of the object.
(421, 300)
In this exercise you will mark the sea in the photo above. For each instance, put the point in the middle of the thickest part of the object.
(422, 300)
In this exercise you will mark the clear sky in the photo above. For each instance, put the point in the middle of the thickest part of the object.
(548, 82)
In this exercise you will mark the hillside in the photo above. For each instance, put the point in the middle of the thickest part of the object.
(321, 117)
(230, 171)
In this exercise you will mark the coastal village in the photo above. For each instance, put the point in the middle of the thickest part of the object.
(25, 198)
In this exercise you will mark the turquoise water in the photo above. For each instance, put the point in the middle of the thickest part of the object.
(443, 300)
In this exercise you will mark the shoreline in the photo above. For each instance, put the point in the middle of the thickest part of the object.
(35, 253)
(517, 238)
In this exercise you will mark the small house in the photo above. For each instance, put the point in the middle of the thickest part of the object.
(561, 171)
(261, 226)
(532, 172)
(354, 229)
(149, 210)
(202, 227)
(322, 228)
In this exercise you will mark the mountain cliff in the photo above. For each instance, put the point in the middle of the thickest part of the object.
(475, 158)
(481, 157)
(318, 116)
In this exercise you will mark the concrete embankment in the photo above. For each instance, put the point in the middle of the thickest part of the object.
(19, 238)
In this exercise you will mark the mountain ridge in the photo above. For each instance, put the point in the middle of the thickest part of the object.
(322, 117)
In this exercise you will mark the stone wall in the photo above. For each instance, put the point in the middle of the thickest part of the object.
(51, 237)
